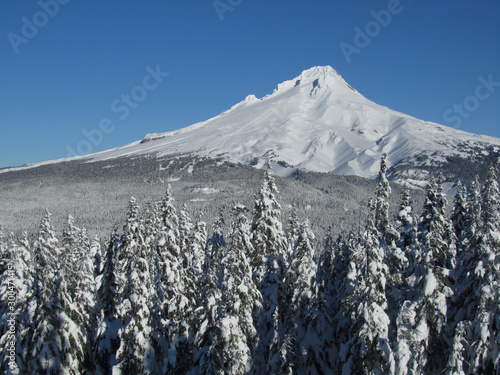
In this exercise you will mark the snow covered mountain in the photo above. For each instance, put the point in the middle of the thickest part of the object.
(319, 123)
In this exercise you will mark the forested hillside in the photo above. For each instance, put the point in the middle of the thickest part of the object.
(417, 293)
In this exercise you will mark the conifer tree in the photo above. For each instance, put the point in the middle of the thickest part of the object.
(78, 292)
(490, 213)
(42, 344)
(483, 356)
(209, 343)
(422, 319)
(372, 351)
(216, 244)
(15, 280)
(198, 246)
(107, 340)
(436, 233)
(293, 228)
(177, 302)
(381, 206)
(459, 216)
(185, 228)
(268, 238)
(127, 242)
(326, 319)
(474, 222)
(97, 254)
(135, 354)
(269, 244)
(300, 290)
(241, 298)
(406, 223)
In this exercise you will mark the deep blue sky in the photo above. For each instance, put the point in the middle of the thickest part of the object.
(63, 81)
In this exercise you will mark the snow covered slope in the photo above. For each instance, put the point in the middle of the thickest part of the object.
(316, 122)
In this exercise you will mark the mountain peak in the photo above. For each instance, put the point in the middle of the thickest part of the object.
(315, 78)
(317, 72)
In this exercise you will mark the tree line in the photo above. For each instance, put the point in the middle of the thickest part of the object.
(411, 294)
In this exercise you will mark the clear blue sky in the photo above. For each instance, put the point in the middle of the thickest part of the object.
(68, 74)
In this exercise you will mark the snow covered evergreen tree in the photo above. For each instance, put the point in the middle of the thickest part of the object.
(388, 236)
(209, 342)
(484, 353)
(490, 213)
(175, 292)
(78, 292)
(371, 351)
(43, 347)
(381, 207)
(268, 238)
(241, 298)
(460, 217)
(198, 245)
(292, 230)
(422, 319)
(435, 230)
(107, 340)
(328, 321)
(216, 244)
(269, 244)
(127, 241)
(406, 224)
(135, 353)
(300, 290)
(15, 281)
(185, 228)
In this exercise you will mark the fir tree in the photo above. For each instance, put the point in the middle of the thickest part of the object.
(209, 343)
(268, 238)
(43, 350)
(107, 340)
(483, 356)
(216, 244)
(198, 246)
(490, 213)
(135, 354)
(175, 292)
(293, 228)
(185, 228)
(15, 280)
(436, 233)
(269, 244)
(406, 224)
(373, 353)
(381, 207)
(127, 242)
(300, 290)
(474, 215)
(78, 292)
(459, 216)
(241, 298)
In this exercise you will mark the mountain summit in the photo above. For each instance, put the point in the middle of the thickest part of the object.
(319, 123)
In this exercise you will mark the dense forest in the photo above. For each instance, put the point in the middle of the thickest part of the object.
(413, 294)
